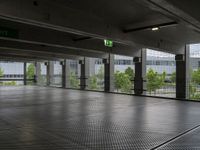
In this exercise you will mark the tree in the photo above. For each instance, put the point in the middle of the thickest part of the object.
(100, 74)
(30, 71)
(118, 80)
(130, 72)
(93, 83)
(196, 76)
(11, 83)
(74, 82)
(192, 91)
(6, 83)
(173, 77)
(1, 72)
(154, 80)
(127, 84)
(1, 75)
(122, 82)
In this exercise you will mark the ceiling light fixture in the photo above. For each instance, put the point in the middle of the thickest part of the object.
(155, 28)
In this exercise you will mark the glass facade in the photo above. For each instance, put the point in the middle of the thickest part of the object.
(160, 74)
(194, 80)
(160, 79)
(42, 78)
(11, 73)
(74, 74)
(123, 74)
(56, 78)
(30, 73)
(95, 79)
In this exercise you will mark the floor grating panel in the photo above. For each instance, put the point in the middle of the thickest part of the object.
(41, 118)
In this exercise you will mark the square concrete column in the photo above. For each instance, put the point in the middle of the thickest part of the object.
(187, 58)
(84, 73)
(140, 73)
(37, 72)
(182, 74)
(63, 64)
(50, 70)
(109, 73)
(25, 75)
(65, 73)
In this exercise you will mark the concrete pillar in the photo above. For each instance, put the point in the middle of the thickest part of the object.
(182, 74)
(109, 73)
(25, 75)
(50, 72)
(84, 72)
(140, 73)
(87, 70)
(66, 73)
(187, 58)
(92, 66)
(63, 64)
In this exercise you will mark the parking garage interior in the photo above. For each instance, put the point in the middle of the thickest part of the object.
(103, 75)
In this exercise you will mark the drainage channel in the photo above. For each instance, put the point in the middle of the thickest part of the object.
(176, 137)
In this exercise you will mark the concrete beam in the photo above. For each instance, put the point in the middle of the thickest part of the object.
(51, 37)
(61, 18)
(50, 15)
(60, 51)
(177, 10)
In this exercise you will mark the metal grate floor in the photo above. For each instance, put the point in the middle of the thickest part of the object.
(41, 118)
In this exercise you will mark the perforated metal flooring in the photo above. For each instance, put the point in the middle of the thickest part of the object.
(40, 118)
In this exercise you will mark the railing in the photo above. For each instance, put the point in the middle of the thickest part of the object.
(42, 79)
(74, 81)
(166, 89)
(16, 81)
(194, 90)
(56, 80)
(95, 83)
(123, 84)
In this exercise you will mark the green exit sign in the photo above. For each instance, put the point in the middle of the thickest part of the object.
(108, 43)
(7, 32)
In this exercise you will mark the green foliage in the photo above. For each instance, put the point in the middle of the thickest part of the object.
(130, 72)
(122, 82)
(196, 76)
(173, 77)
(95, 81)
(100, 74)
(196, 96)
(154, 80)
(93, 85)
(11, 83)
(74, 82)
(118, 80)
(192, 90)
(30, 71)
(1, 72)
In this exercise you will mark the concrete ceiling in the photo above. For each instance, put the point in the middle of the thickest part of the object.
(59, 28)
